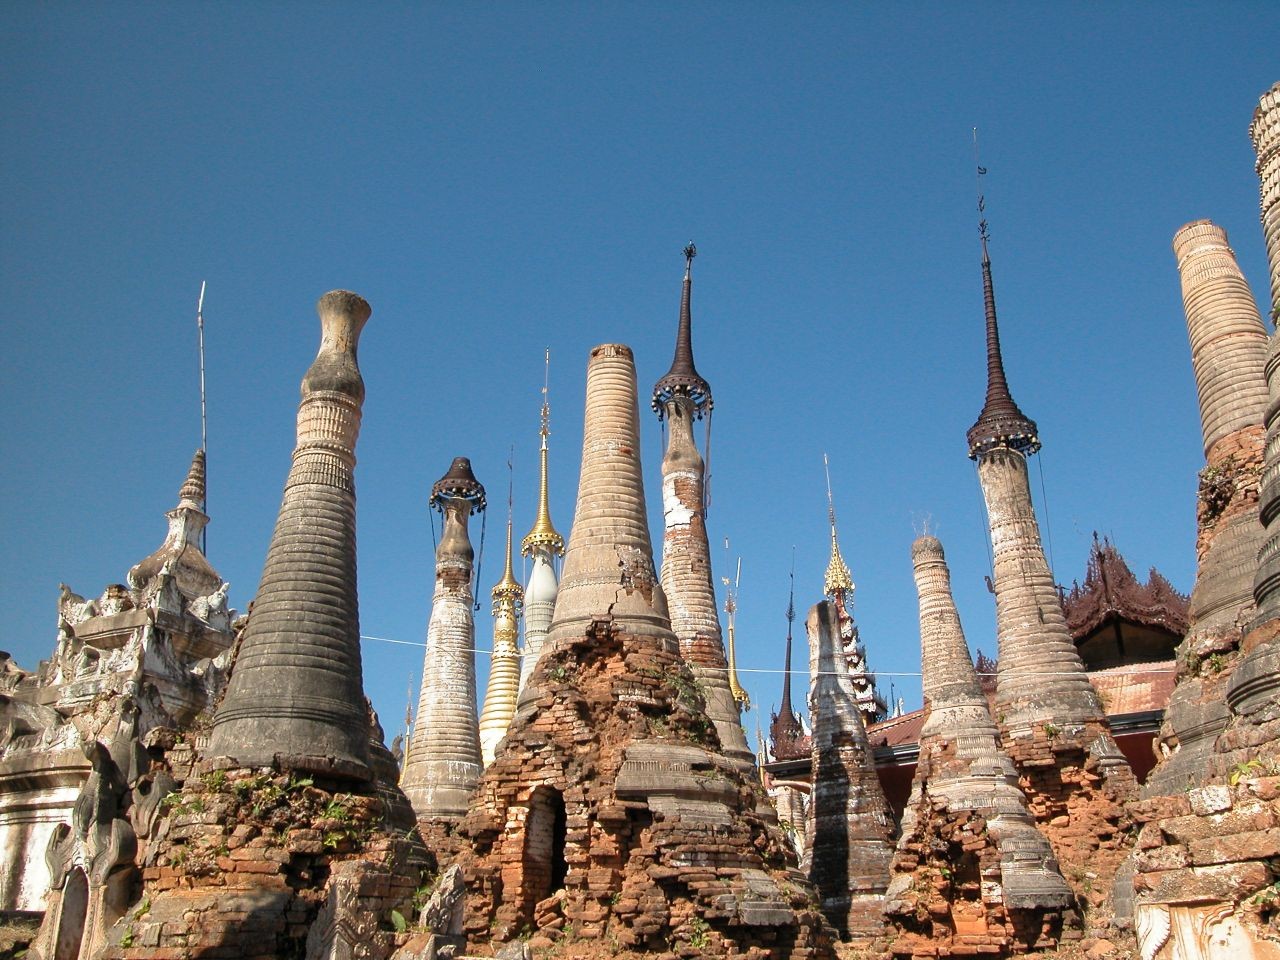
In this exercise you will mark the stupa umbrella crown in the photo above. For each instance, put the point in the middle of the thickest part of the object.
(683, 379)
(458, 484)
(1001, 424)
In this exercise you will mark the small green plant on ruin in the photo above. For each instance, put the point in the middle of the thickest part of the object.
(1051, 730)
(1248, 769)
(699, 934)
(1214, 663)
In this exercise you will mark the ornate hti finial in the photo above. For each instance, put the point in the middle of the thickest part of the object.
(544, 533)
(507, 592)
(838, 580)
(1001, 423)
(458, 484)
(682, 379)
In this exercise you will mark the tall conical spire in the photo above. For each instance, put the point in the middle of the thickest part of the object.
(962, 769)
(681, 397)
(838, 580)
(296, 694)
(786, 733)
(785, 710)
(1001, 423)
(443, 761)
(544, 533)
(682, 379)
(608, 563)
(504, 666)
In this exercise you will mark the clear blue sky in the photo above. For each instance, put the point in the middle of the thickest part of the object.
(500, 178)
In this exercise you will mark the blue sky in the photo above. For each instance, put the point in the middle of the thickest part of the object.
(501, 178)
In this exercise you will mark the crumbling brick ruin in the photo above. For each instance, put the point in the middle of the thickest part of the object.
(1051, 722)
(1207, 867)
(972, 873)
(176, 782)
(609, 812)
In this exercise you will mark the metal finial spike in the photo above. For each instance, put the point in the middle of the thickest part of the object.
(546, 403)
(791, 598)
(690, 251)
(1001, 423)
(831, 504)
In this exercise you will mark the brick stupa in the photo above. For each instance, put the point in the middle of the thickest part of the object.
(609, 811)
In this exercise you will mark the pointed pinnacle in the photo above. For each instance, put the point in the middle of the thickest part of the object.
(682, 380)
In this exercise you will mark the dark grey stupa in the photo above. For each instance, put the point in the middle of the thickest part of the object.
(296, 695)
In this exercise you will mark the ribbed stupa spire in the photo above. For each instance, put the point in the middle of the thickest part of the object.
(504, 666)
(1264, 131)
(443, 761)
(963, 765)
(608, 564)
(785, 710)
(1001, 423)
(849, 828)
(681, 397)
(296, 694)
(683, 379)
(1048, 713)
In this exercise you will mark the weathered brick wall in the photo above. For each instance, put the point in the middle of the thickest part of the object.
(697, 864)
(955, 904)
(250, 863)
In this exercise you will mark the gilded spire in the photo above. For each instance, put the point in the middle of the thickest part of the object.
(731, 609)
(683, 379)
(544, 533)
(1001, 423)
(507, 591)
(838, 580)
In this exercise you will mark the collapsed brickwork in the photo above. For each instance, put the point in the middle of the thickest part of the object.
(1207, 878)
(610, 814)
(269, 863)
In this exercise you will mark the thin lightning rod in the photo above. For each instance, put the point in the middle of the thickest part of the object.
(204, 432)
(831, 504)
